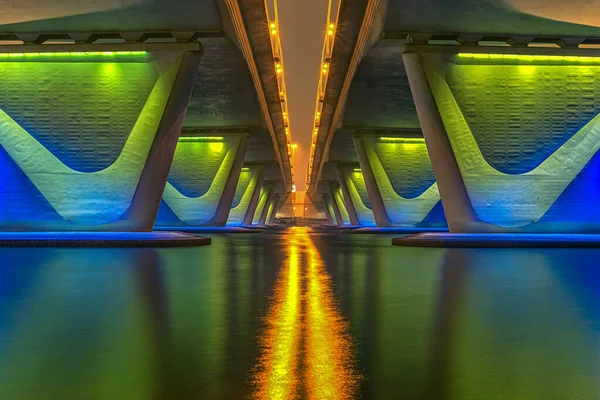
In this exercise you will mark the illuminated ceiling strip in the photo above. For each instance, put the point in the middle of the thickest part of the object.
(332, 20)
(201, 138)
(74, 54)
(522, 57)
(402, 140)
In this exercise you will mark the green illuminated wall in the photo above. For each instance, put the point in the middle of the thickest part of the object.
(404, 176)
(75, 132)
(525, 131)
(246, 185)
(200, 170)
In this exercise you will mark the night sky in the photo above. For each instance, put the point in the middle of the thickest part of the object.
(302, 25)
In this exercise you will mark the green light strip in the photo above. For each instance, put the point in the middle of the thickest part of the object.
(201, 138)
(74, 54)
(487, 56)
(402, 140)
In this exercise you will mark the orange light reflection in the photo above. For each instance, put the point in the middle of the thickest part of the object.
(277, 376)
(307, 351)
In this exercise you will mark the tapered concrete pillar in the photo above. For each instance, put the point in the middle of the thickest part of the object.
(336, 209)
(352, 214)
(146, 200)
(254, 200)
(265, 211)
(327, 212)
(222, 213)
(457, 207)
(276, 201)
(377, 205)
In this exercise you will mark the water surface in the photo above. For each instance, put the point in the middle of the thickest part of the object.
(299, 315)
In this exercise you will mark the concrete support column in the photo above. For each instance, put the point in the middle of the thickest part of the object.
(327, 213)
(224, 207)
(338, 215)
(352, 214)
(146, 200)
(254, 200)
(276, 201)
(377, 205)
(457, 206)
(263, 215)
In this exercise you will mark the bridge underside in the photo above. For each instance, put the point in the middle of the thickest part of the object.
(117, 129)
(491, 131)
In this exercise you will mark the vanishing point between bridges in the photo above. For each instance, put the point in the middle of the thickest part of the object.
(299, 199)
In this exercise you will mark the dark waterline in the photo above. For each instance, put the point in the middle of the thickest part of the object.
(268, 315)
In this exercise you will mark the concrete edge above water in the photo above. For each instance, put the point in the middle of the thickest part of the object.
(499, 240)
(101, 239)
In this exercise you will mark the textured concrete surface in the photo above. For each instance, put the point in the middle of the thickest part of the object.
(109, 15)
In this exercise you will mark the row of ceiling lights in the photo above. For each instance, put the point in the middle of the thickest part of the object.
(279, 70)
(332, 13)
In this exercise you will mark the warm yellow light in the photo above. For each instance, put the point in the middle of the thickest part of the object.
(278, 70)
(273, 31)
(525, 57)
(331, 26)
(330, 32)
(294, 146)
(402, 140)
(273, 25)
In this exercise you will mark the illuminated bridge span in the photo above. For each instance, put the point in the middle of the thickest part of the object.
(479, 114)
(115, 115)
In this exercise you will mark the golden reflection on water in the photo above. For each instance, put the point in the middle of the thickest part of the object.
(306, 350)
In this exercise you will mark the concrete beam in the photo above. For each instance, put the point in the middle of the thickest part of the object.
(254, 200)
(265, 211)
(222, 213)
(457, 207)
(352, 214)
(377, 205)
(147, 197)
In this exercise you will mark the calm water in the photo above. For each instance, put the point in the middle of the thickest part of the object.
(299, 315)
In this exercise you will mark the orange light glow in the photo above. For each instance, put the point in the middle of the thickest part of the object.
(306, 344)
(277, 376)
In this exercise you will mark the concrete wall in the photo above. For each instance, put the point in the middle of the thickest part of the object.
(524, 131)
(84, 136)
